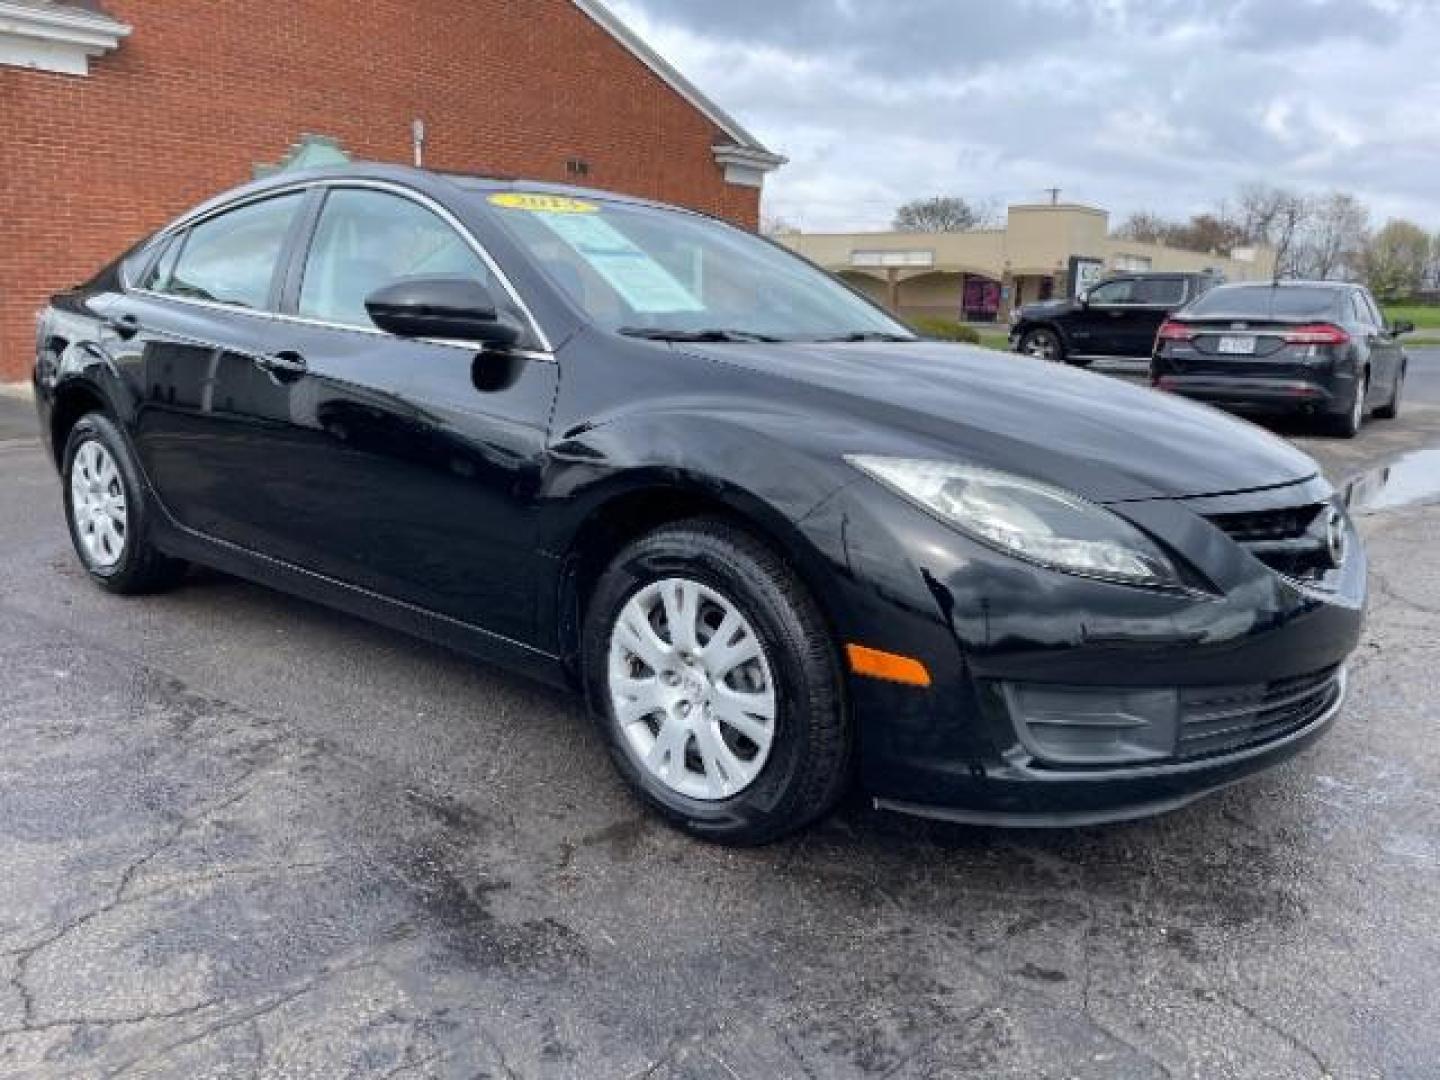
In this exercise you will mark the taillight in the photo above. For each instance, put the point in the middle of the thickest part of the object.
(1317, 334)
(1176, 331)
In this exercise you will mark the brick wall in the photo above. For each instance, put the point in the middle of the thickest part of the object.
(201, 93)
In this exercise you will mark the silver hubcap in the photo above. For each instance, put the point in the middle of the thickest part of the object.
(1359, 408)
(1040, 346)
(97, 504)
(691, 688)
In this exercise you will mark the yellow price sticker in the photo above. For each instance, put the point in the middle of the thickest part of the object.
(548, 204)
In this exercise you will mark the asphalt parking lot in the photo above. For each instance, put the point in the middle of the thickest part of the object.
(241, 835)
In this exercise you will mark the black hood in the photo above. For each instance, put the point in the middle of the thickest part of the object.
(1048, 309)
(1103, 438)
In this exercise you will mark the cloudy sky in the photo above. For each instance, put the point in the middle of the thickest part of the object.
(1128, 104)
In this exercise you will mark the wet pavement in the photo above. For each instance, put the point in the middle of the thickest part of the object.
(241, 835)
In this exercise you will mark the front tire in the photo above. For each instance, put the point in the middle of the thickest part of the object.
(716, 684)
(1043, 344)
(107, 513)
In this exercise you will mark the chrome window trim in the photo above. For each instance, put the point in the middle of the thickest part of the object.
(547, 349)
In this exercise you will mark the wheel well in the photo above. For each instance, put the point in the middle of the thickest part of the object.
(71, 403)
(628, 517)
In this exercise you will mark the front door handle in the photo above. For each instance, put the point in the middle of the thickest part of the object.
(124, 326)
(282, 364)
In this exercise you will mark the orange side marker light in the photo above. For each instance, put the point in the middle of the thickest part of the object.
(887, 666)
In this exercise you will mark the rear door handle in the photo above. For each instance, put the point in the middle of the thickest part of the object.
(125, 326)
(282, 363)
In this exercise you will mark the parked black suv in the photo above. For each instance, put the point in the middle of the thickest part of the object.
(1120, 316)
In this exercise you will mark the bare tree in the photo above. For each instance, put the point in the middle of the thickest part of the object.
(939, 213)
(1334, 240)
(1275, 217)
(1145, 227)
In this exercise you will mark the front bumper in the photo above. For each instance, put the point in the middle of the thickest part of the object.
(1024, 795)
(984, 623)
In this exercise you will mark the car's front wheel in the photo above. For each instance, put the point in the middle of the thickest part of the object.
(107, 513)
(716, 684)
(1044, 345)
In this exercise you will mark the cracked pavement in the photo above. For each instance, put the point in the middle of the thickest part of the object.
(241, 835)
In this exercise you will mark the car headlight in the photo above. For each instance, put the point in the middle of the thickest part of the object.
(1027, 519)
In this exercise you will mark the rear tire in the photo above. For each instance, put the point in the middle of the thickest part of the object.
(106, 510)
(1348, 425)
(706, 575)
(1391, 409)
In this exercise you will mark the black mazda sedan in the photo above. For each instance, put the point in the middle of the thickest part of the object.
(783, 546)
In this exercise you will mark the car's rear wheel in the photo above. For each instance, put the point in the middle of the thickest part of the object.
(1044, 345)
(716, 684)
(106, 510)
(1391, 409)
(1348, 424)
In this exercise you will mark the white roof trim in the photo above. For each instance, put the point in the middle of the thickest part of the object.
(54, 38)
(677, 82)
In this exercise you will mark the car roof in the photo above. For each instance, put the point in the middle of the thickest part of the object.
(1291, 283)
(422, 180)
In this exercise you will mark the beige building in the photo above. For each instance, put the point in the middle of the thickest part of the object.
(1042, 252)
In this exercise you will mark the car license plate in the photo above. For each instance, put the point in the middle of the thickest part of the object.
(1238, 346)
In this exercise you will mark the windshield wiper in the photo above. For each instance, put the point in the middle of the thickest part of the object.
(864, 335)
(652, 333)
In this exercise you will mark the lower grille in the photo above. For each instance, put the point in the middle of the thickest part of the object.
(1218, 720)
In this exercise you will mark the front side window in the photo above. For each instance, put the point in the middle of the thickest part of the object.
(230, 258)
(369, 239)
(654, 271)
(1114, 292)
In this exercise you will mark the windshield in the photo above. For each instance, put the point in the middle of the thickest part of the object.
(658, 273)
(1259, 302)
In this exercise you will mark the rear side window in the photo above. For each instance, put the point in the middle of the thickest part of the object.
(230, 258)
(369, 239)
(1159, 291)
(1260, 302)
(1367, 302)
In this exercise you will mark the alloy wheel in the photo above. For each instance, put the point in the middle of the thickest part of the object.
(1042, 346)
(97, 504)
(691, 689)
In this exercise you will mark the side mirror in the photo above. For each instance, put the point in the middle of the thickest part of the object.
(1084, 299)
(460, 309)
(1400, 326)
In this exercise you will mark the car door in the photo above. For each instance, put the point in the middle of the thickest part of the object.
(1098, 328)
(405, 467)
(1386, 352)
(193, 337)
(1153, 299)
